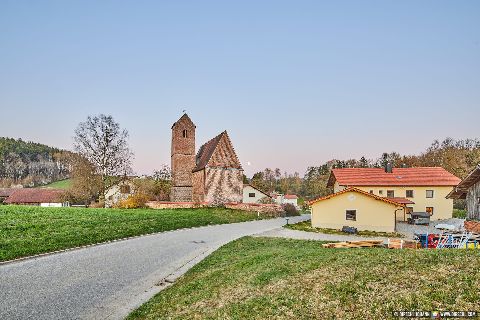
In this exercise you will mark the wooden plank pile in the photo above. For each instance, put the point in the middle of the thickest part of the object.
(354, 244)
(402, 244)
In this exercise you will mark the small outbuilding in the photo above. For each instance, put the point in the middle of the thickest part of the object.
(254, 195)
(119, 192)
(37, 197)
(353, 207)
(469, 189)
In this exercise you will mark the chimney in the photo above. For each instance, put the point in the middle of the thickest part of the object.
(389, 167)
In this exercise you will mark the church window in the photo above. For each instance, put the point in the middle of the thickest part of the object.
(185, 133)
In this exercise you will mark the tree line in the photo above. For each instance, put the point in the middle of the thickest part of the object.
(31, 164)
(458, 157)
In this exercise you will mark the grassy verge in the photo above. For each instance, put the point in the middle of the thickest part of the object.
(307, 226)
(26, 231)
(266, 278)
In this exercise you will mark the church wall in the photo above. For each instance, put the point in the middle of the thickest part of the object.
(223, 185)
(199, 186)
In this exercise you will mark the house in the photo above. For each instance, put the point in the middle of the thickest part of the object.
(353, 207)
(469, 189)
(291, 199)
(254, 195)
(37, 197)
(5, 193)
(425, 187)
(118, 192)
(213, 175)
(285, 198)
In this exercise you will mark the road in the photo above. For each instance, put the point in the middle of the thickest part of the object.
(108, 281)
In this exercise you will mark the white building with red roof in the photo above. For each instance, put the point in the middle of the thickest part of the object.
(425, 188)
(285, 198)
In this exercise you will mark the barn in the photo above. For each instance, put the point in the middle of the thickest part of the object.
(469, 189)
(37, 197)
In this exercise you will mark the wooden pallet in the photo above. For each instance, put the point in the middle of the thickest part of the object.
(354, 244)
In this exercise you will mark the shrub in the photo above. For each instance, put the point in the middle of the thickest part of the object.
(290, 210)
(99, 204)
(266, 200)
(134, 201)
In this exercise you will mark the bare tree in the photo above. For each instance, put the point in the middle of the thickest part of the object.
(103, 143)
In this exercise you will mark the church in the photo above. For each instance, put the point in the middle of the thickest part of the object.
(213, 175)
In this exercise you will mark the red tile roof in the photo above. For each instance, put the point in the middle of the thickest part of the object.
(31, 195)
(420, 176)
(352, 189)
(290, 196)
(223, 158)
(206, 151)
(402, 200)
(6, 192)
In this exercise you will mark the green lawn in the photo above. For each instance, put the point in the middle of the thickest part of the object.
(25, 231)
(61, 184)
(307, 226)
(266, 278)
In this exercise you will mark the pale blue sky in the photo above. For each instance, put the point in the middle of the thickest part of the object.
(295, 83)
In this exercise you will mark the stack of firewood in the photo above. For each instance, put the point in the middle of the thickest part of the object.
(354, 244)
(402, 244)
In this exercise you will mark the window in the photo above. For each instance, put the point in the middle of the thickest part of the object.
(125, 189)
(251, 195)
(390, 193)
(429, 194)
(409, 210)
(380, 191)
(351, 215)
(409, 193)
(185, 133)
(371, 191)
(429, 210)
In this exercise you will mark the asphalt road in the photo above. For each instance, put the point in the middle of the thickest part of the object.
(109, 281)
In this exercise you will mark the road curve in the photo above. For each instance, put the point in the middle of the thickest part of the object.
(110, 280)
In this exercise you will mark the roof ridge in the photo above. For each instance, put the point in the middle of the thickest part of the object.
(358, 191)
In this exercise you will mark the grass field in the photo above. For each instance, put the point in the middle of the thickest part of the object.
(61, 184)
(27, 230)
(266, 278)
(307, 226)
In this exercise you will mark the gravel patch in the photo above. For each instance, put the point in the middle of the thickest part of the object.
(306, 235)
(408, 230)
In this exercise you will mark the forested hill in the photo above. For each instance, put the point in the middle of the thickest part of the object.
(31, 164)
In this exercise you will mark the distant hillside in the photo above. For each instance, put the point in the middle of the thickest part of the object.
(31, 164)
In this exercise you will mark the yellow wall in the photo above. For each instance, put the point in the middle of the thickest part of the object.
(442, 207)
(372, 214)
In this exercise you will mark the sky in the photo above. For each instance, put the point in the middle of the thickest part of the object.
(295, 83)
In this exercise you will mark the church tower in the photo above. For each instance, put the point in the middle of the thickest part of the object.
(183, 159)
